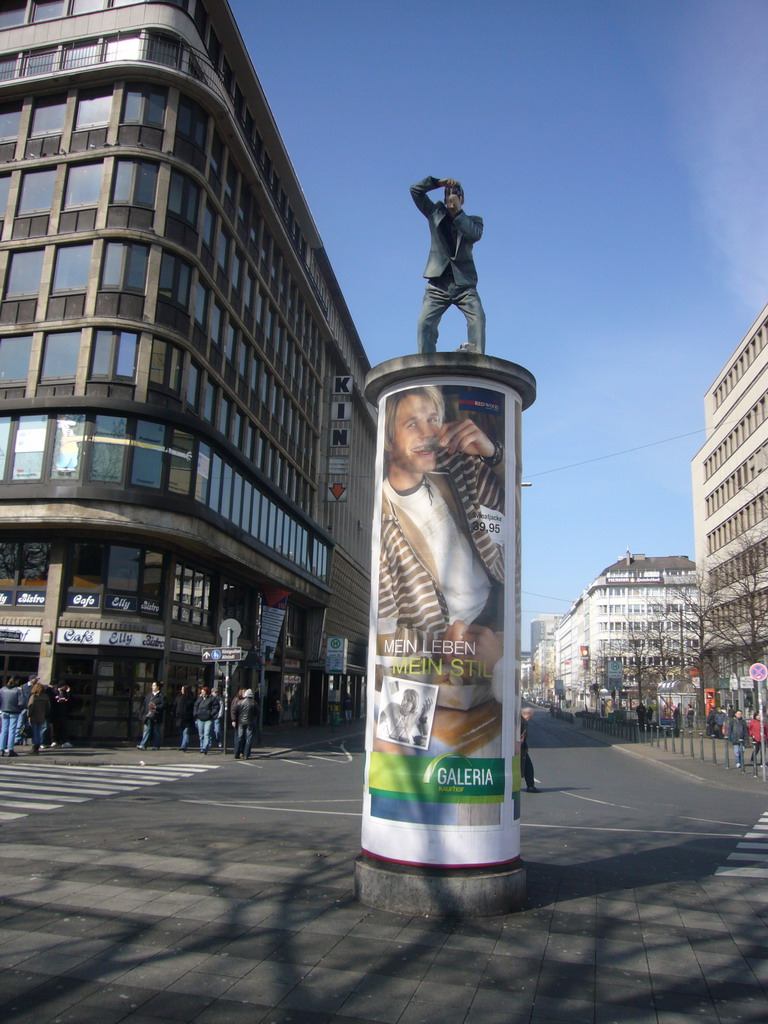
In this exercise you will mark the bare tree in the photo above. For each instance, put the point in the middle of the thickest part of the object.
(739, 591)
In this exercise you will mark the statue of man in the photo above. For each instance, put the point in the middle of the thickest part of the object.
(450, 271)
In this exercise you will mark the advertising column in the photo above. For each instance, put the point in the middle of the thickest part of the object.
(442, 780)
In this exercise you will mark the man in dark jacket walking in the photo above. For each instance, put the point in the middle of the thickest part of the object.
(245, 718)
(737, 736)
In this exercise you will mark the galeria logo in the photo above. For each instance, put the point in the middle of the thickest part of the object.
(456, 773)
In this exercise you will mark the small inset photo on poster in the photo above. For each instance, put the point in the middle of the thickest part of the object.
(406, 712)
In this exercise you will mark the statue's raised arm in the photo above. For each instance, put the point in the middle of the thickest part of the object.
(450, 270)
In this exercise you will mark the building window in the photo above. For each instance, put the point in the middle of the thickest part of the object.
(73, 264)
(166, 366)
(83, 185)
(148, 452)
(217, 324)
(24, 565)
(222, 255)
(60, 355)
(125, 266)
(193, 386)
(48, 116)
(29, 447)
(135, 182)
(36, 191)
(87, 566)
(10, 120)
(67, 447)
(192, 596)
(114, 354)
(14, 359)
(44, 10)
(202, 300)
(175, 278)
(184, 198)
(24, 273)
(192, 122)
(225, 411)
(180, 472)
(93, 110)
(145, 104)
(209, 227)
(13, 12)
(108, 449)
(209, 401)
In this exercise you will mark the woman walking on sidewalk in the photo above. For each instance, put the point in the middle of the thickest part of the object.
(39, 710)
(758, 737)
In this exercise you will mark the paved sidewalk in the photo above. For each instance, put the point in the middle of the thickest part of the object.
(228, 932)
(275, 739)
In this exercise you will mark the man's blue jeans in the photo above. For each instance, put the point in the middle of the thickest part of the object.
(244, 740)
(152, 733)
(7, 731)
(738, 753)
(204, 730)
(436, 300)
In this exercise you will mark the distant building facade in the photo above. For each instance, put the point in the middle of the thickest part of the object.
(183, 439)
(543, 654)
(629, 630)
(730, 506)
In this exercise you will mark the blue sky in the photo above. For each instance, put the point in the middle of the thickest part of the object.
(616, 152)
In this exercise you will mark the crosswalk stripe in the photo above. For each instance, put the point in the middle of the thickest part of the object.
(137, 772)
(84, 780)
(30, 804)
(31, 794)
(44, 787)
(744, 872)
(64, 779)
(66, 787)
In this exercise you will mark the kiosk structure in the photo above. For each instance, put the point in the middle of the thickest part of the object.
(441, 813)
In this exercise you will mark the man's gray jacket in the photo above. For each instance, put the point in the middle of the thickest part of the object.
(469, 231)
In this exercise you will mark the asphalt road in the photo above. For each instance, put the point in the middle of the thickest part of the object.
(141, 888)
(628, 819)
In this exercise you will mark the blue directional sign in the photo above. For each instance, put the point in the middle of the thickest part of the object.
(222, 654)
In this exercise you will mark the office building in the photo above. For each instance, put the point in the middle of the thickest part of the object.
(183, 439)
(731, 512)
(632, 628)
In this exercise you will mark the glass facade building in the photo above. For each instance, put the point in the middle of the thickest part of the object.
(170, 335)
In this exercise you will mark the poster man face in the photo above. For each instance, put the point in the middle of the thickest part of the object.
(413, 452)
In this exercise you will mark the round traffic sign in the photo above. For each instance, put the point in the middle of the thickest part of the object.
(758, 671)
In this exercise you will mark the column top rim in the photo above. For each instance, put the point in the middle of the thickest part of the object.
(407, 369)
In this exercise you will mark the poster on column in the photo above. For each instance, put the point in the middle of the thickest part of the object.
(441, 768)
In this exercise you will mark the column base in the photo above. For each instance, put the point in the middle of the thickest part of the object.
(440, 892)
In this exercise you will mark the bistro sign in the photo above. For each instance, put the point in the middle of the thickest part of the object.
(109, 638)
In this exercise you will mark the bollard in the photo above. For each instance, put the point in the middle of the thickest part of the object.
(727, 755)
(665, 739)
(701, 745)
(691, 735)
(714, 751)
(674, 751)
